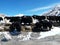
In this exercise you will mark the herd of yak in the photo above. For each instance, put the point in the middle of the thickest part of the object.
(34, 23)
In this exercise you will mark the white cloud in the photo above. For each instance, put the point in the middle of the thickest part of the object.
(19, 15)
(43, 8)
(38, 9)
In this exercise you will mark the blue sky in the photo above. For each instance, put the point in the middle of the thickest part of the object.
(27, 7)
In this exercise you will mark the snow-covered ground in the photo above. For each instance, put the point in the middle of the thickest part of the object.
(28, 35)
(54, 31)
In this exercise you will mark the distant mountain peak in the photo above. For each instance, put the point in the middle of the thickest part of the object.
(57, 5)
(55, 11)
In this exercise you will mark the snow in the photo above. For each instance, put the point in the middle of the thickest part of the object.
(28, 36)
(0, 33)
(6, 36)
(53, 32)
(53, 11)
(20, 36)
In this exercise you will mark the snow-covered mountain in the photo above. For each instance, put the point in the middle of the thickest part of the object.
(55, 11)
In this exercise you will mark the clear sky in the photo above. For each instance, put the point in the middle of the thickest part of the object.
(28, 7)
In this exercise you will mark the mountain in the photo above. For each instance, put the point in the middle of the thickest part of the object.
(2, 15)
(55, 11)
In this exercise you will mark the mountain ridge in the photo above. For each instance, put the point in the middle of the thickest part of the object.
(55, 11)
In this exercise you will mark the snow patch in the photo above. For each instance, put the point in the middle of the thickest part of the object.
(6, 36)
(20, 36)
(53, 32)
(25, 37)
(28, 36)
(0, 33)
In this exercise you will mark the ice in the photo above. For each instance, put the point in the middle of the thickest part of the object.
(53, 32)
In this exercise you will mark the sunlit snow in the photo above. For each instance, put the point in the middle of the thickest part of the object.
(54, 31)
